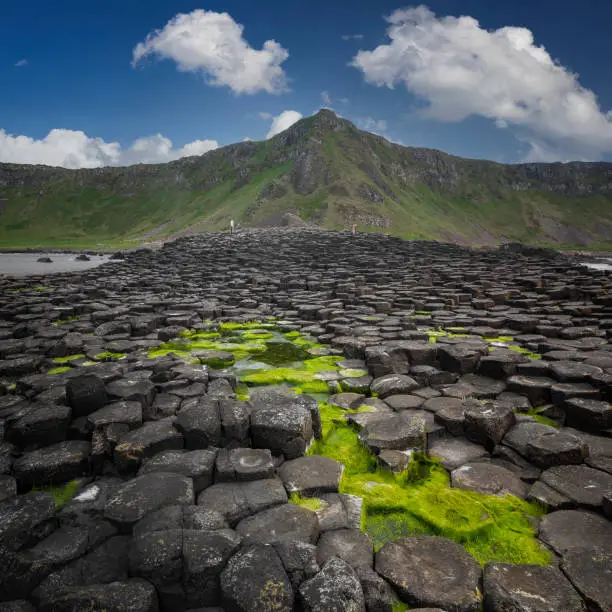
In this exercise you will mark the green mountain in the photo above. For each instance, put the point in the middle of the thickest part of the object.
(327, 172)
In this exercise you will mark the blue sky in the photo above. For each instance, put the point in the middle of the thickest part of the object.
(79, 91)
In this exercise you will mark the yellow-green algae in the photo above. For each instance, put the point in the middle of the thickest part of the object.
(61, 494)
(60, 370)
(419, 501)
(109, 356)
(68, 358)
(312, 503)
(416, 501)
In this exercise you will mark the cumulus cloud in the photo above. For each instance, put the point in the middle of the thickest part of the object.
(21, 62)
(352, 36)
(74, 149)
(212, 43)
(461, 69)
(325, 98)
(283, 121)
(369, 124)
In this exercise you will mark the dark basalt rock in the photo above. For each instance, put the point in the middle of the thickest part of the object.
(311, 476)
(147, 493)
(573, 530)
(129, 596)
(431, 571)
(145, 436)
(590, 575)
(351, 545)
(255, 579)
(53, 464)
(335, 587)
(238, 500)
(583, 485)
(284, 522)
(528, 587)
(488, 478)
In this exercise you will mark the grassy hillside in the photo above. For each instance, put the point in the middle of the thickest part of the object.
(327, 172)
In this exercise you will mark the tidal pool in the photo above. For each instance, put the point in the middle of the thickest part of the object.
(26, 264)
(417, 501)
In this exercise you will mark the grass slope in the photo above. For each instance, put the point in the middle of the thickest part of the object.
(324, 170)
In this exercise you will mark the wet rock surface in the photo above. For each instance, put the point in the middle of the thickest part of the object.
(499, 363)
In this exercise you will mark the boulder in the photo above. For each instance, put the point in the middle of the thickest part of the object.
(238, 500)
(590, 574)
(398, 431)
(281, 423)
(583, 485)
(393, 384)
(351, 545)
(454, 452)
(572, 530)
(199, 420)
(528, 587)
(133, 595)
(487, 424)
(284, 522)
(311, 476)
(243, 464)
(335, 588)
(145, 442)
(145, 494)
(198, 465)
(588, 414)
(431, 572)
(255, 580)
(53, 464)
(85, 393)
(489, 479)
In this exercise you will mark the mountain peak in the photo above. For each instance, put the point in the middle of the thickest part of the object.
(326, 120)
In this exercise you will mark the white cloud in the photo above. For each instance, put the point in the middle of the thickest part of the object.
(461, 69)
(21, 62)
(266, 116)
(247, 139)
(369, 124)
(212, 43)
(352, 36)
(283, 121)
(74, 149)
(326, 99)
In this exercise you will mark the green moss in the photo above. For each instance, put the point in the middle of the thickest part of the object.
(229, 325)
(109, 356)
(420, 501)
(311, 503)
(277, 376)
(59, 370)
(41, 288)
(199, 335)
(315, 387)
(352, 373)
(68, 358)
(540, 418)
(61, 494)
(242, 392)
(67, 320)
(399, 606)
(500, 339)
(257, 334)
(524, 351)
